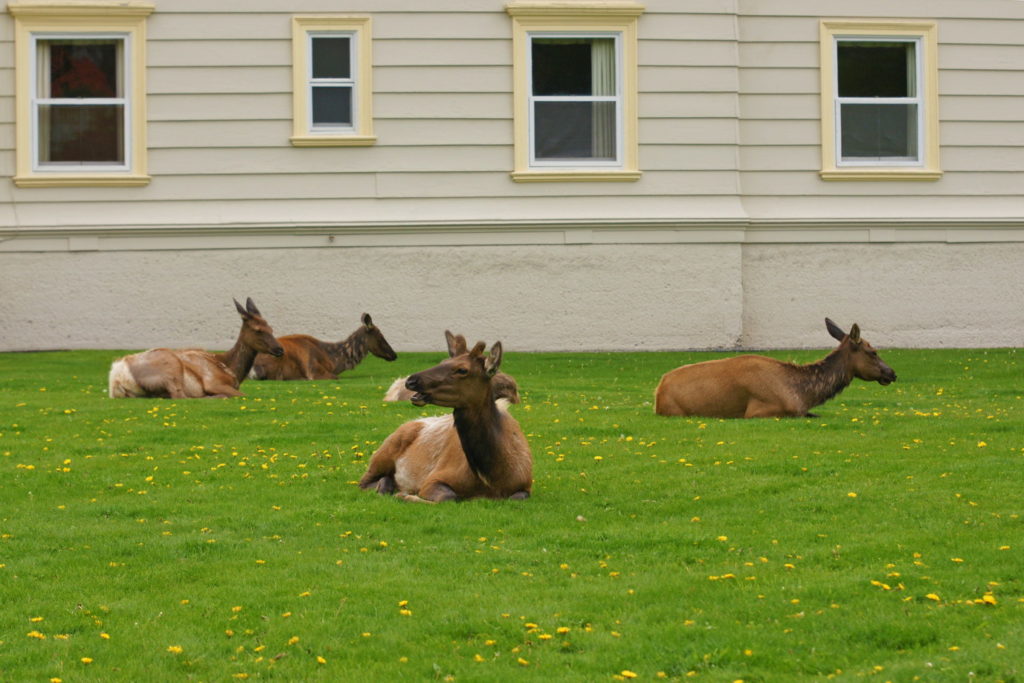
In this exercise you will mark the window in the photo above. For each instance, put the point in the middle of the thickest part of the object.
(80, 87)
(332, 74)
(575, 91)
(879, 101)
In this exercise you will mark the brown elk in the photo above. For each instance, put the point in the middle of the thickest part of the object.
(758, 386)
(307, 357)
(194, 373)
(478, 451)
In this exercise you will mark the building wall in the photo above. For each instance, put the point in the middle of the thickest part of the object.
(729, 240)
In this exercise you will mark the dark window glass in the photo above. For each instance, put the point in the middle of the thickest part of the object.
(331, 57)
(879, 131)
(81, 133)
(332, 106)
(574, 130)
(561, 67)
(82, 68)
(876, 69)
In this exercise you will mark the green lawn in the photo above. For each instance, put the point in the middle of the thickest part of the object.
(216, 540)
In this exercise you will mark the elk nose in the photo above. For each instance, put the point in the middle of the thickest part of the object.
(413, 383)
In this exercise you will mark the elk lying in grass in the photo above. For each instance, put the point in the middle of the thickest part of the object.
(758, 386)
(504, 386)
(478, 451)
(307, 357)
(194, 373)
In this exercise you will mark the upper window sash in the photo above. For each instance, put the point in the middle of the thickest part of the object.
(912, 114)
(611, 157)
(332, 107)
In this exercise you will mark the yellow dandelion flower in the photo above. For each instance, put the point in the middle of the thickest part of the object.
(562, 630)
(105, 636)
(933, 596)
(522, 662)
(175, 649)
(36, 634)
(86, 660)
(478, 658)
(320, 660)
(293, 640)
(626, 673)
(851, 494)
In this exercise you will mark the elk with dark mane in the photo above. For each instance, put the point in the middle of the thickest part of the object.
(477, 451)
(195, 373)
(307, 357)
(504, 386)
(758, 386)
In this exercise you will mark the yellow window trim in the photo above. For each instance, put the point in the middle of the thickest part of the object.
(363, 135)
(91, 16)
(529, 16)
(928, 33)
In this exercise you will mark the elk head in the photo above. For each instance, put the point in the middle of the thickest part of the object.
(462, 380)
(375, 341)
(864, 360)
(256, 332)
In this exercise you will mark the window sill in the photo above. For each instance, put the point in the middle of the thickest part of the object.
(881, 174)
(575, 175)
(81, 180)
(333, 140)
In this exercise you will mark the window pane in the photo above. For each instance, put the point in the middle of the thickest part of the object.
(573, 66)
(574, 130)
(80, 68)
(879, 131)
(332, 106)
(81, 133)
(331, 57)
(876, 69)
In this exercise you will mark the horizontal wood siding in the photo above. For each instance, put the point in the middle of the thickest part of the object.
(728, 106)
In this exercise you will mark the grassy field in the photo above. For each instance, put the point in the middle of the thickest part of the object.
(216, 540)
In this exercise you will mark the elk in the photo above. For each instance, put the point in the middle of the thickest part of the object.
(476, 451)
(195, 373)
(758, 386)
(307, 357)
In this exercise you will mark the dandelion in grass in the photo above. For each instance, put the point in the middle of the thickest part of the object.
(86, 660)
(175, 649)
(626, 673)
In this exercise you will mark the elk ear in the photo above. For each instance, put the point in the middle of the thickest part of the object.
(251, 307)
(241, 311)
(367, 320)
(855, 334)
(493, 361)
(834, 330)
(456, 343)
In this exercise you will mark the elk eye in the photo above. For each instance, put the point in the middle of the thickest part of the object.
(462, 372)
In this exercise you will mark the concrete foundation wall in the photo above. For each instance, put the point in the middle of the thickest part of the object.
(532, 297)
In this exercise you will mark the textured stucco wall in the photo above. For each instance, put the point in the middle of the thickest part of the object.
(908, 295)
(533, 298)
(570, 297)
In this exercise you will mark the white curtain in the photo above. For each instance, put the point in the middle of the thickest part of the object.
(602, 60)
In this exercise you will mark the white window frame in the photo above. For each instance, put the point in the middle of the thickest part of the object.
(533, 99)
(924, 36)
(36, 20)
(917, 100)
(358, 30)
(36, 101)
(350, 82)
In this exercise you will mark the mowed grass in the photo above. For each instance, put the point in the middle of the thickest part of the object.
(216, 540)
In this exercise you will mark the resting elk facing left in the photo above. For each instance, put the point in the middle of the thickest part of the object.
(477, 451)
(307, 357)
(758, 386)
(195, 373)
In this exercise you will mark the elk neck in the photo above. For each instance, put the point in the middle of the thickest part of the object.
(820, 381)
(238, 359)
(349, 352)
(479, 429)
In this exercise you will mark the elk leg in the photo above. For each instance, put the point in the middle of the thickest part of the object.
(519, 495)
(438, 492)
